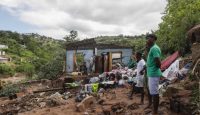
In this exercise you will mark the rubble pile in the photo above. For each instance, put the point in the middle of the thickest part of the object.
(32, 101)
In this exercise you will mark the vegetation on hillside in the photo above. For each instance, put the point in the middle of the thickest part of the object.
(28, 52)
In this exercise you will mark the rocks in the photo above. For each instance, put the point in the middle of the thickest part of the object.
(30, 102)
(133, 106)
(42, 94)
(115, 108)
(56, 99)
(42, 104)
(67, 95)
(118, 107)
(86, 103)
(80, 96)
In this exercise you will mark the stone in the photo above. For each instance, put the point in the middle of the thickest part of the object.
(55, 99)
(42, 94)
(118, 107)
(86, 103)
(42, 104)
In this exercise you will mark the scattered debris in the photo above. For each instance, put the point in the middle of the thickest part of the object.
(133, 106)
(86, 103)
(55, 99)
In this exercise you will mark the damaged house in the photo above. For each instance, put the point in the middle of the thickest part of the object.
(97, 57)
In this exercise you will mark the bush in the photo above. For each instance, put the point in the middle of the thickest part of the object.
(9, 90)
(6, 69)
(52, 69)
(27, 68)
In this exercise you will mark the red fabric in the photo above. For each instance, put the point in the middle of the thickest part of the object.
(168, 61)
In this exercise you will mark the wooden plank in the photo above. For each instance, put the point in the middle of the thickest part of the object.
(110, 61)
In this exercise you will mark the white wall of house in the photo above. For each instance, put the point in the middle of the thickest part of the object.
(126, 54)
(69, 58)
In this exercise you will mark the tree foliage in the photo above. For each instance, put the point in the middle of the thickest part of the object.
(179, 17)
(53, 68)
(6, 69)
(9, 89)
(71, 37)
(27, 68)
(29, 51)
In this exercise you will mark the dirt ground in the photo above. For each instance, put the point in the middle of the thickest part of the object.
(115, 102)
(16, 78)
(111, 97)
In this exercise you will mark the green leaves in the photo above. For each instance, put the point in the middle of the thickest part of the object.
(180, 16)
(27, 68)
(9, 90)
(29, 51)
(71, 37)
(6, 69)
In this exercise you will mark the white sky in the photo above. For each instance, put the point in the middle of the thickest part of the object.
(55, 18)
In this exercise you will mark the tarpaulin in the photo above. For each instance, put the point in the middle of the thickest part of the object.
(168, 61)
(171, 71)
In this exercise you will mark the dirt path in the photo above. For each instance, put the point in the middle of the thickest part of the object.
(16, 78)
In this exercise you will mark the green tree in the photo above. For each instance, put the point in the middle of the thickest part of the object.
(53, 68)
(6, 70)
(180, 16)
(71, 37)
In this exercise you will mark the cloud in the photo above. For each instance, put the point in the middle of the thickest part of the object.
(90, 18)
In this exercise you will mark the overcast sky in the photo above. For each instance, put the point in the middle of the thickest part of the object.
(55, 18)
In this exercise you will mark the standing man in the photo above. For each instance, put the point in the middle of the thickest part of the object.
(153, 70)
(139, 86)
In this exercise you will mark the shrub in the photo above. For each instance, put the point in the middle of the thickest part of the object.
(9, 90)
(6, 69)
(27, 68)
(52, 69)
